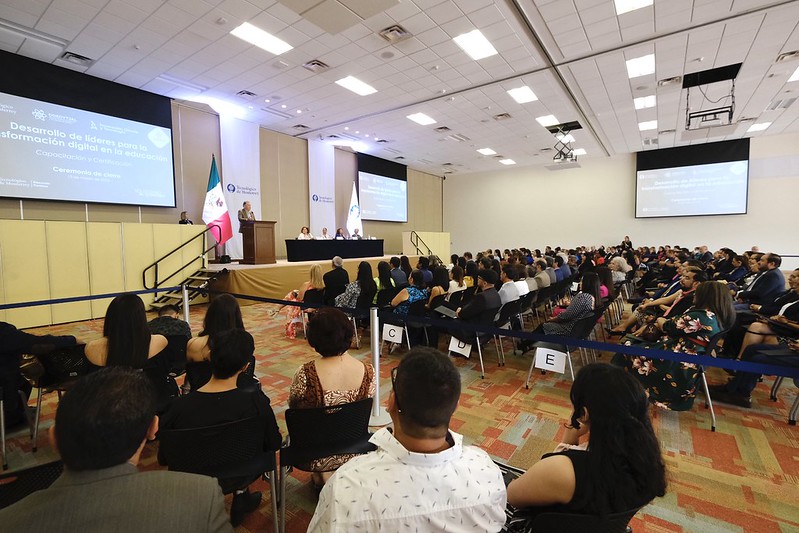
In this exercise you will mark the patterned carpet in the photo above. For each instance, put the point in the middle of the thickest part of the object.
(742, 478)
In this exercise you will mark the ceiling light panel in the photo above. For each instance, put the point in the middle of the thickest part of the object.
(357, 86)
(648, 125)
(795, 75)
(523, 94)
(421, 118)
(645, 102)
(579, 151)
(261, 39)
(486, 151)
(625, 6)
(760, 126)
(507, 161)
(641, 66)
(475, 45)
(547, 120)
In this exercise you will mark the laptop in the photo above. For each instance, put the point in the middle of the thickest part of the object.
(446, 311)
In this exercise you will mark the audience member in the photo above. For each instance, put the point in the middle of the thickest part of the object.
(671, 384)
(405, 265)
(397, 274)
(456, 283)
(414, 292)
(765, 285)
(423, 265)
(169, 323)
(220, 401)
(384, 279)
(439, 285)
(294, 312)
(481, 309)
(470, 279)
(363, 284)
(100, 430)
(424, 468)
(508, 291)
(336, 280)
(619, 467)
(542, 279)
(14, 343)
(336, 378)
(223, 314)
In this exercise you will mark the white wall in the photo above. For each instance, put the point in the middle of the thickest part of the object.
(595, 204)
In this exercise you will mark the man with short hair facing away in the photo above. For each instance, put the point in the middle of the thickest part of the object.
(541, 277)
(336, 280)
(100, 429)
(397, 274)
(168, 323)
(421, 477)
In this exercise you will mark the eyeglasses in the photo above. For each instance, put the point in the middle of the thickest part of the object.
(394, 388)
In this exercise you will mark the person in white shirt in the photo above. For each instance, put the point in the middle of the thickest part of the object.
(325, 235)
(508, 292)
(421, 477)
(519, 275)
(305, 234)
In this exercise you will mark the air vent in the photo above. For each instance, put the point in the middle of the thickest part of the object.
(498, 156)
(449, 171)
(442, 129)
(246, 94)
(383, 141)
(394, 34)
(77, 59)
(399, 158)
(502, 116)
(458, 137)
(787, 56)
(300, 127)
(666, 132)
(668, 82)
(651, 142)
(546, 149)
(276, 113)
(391, 150)
(781, 104)
(316, 66)
(426, 161)
(446, 164)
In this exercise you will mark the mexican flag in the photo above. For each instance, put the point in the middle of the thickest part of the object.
(215, 210)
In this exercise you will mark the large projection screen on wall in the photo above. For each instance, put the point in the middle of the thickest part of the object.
(382, 189)
(71, 137)
(696, 180)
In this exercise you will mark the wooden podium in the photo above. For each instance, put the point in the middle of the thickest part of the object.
(259, 242)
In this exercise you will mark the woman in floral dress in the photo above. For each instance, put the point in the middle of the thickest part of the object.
(671, 384)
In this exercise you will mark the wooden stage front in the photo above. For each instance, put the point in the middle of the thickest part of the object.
(277, 280)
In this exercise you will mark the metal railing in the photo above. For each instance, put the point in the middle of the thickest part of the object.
(416, 240)
(202, 256)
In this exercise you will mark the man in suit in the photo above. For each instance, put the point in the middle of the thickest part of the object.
(767, 284)
(483, 306)
(100, 430)
(335, 281)
(245, 216)
(397, 274)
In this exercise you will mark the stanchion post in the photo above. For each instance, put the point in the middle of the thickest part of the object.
(379, 417)
(185, 292)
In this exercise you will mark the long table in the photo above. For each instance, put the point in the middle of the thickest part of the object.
(317, 250)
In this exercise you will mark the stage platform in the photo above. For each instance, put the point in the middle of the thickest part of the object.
(278, 279)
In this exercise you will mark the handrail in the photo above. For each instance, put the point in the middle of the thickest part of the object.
(201, 256)
(418, 241)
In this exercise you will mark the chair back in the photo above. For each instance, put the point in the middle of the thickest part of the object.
(216, 451)
(508, 310)
(385, 296)
(438, 300)
(468, 294)
(714, 341)
(455, 299)
(314, 297)
(324, 431)
(583, 327)
(526, 301)
(176, 352)
(365, 300)
(64, 365)
(559, 522)
(17, 485)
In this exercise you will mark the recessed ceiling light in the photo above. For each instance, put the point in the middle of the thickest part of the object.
(421, 118)
(760, 126)
(547, 120)
(624, 6)
(645, 101)
(357, 86)
(346, 128)
(475, 45)
(795, 75)
(568, 138)
(648, 125)
(299, 111)
(579, 151)
(261, 39)
(523, 94)
(366, 135)
(641, 66)
(486, 151)
(507, 161)
(283, 106)
(266, 101)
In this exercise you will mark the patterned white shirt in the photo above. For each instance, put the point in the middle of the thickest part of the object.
(391, 489)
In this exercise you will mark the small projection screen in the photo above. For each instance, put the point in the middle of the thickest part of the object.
(701, 179)
(382, 189)
(73, 137)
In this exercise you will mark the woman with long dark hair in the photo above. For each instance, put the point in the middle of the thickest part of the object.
(672, 384)
(618, 468)
(383, 280)
(470, 279)
(364, 284)
(223, 314)
(405, 266)
(126, 339)
(440, 284)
